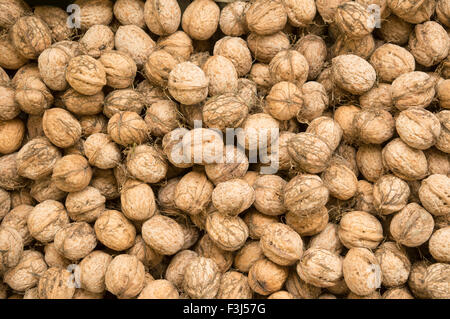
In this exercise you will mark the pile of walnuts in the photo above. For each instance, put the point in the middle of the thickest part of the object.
(98, 199)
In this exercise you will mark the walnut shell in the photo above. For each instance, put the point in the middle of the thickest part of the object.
(46, 219)
(53, 63)
(309, 152)
(101, 151)
(234, 285)
(232, 18)
(71, 173)
(92, 271)
(369, 161)
(320, 267)
(97, 39)
(80, 104)
(91, 124)
(202, 278)
(177, 267)
(266, 277)
(361, 271)
(201, 19)
(233, 197)
(247, 256)
(305, 194)
(360, 229)
(162, 17)
(44, 189)
(86, 75)
(178, 44)
(374, 126)
(315, 101)
(12, 11)
(17, 219)
(416, 281)
(227, 232)
(27, 272)
(266, 17)
(418, 128)
(30, 35)
(188, 83)
(225, 111)
(394, 264)
(163, 234)
(433, 194)
(114, 231)
(269, 195)
(11, 135)
(281, 244)
(95, 12)
(310, 224)
(120, 69)
(354, 19)
(404, 161)
(9, 177)
(127, 128)
(124, 276)
(56, 283)
(9, 108)
(11, 247)
(233, 165)
(76, 240)
(37, 158)
(412, 12)
(135, 42)
(412, 89)
(10, 58)
(137, 200)
(130, 12)
(395, 30)
(257, 222)
(299, 288)
(353, 74)
(32, 95)
(327, 239)
(390, 194)
(443, 142)
(314, 49)
(429, 43)
(159, 289)
(125, 100)
(439, 244)
(412, 226)
(235, 49)
(284, 101)
(390, 61)
(265, 47)
(362, 47)
(208, 249)
(300, 13)
(436, 281)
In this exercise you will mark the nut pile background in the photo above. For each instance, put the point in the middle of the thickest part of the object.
(91, 192)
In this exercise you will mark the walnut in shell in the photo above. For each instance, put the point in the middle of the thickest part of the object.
(284, 101)
(56, 283)
(361, 271)
(30, 35)
(71, 173)
(135, 42)
(233, 197)
(266, 277)
(86, 75)
(124, 276)
(281, 244)
(27, 272)
(265, 47)
(404, 161)
(126, 128)
(188, 83)
(163, 234)
(320, 267)
(201, 19)
(202, 278)
(75, 241)
(360, 229)
(433, 194)
(309, 152)
(46, 219)
(353, 74)
(114, 230)
(412, 226)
